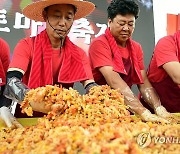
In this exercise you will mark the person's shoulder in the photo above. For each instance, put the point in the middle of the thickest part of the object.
(4, 46)
(166, 40)
(100, 39)
(27, 40)
(168, 37)
(3, 42)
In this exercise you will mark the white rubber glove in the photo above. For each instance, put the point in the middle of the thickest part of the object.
(8, 118)
(162, 112)
(148, 116)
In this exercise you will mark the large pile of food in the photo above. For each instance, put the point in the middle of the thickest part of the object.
(98, 122)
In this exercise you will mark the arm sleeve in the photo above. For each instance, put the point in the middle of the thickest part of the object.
(5, 54)
(16, 74)
(165, 51)
(5, 59)
(100, 54)
(140, 56)
(86, 65)
(22, 55)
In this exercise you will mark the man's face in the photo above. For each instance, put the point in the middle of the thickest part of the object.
(60, 17)
(122, 27)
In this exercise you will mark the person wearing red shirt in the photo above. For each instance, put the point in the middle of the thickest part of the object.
(4, 60)
(4, 64)
(117, 60)
(50, 57)
(164, 71)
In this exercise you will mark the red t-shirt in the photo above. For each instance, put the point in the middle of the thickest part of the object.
(4, 60)
(22, 59)
(165, 51)
(100, 55)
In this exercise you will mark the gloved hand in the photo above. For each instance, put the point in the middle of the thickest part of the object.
(148, 116)
(15, 89)
(8, 118)
(40, 107)
(56, 109)
(37, 103)
(162, 112)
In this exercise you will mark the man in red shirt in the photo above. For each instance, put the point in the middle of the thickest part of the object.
(4, 63)
(164, 71)
(50, 57)
(117, 60)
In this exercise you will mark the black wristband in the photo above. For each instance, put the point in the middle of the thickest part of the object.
(2, 89)
(89, 86)
(91, 83)
(16, 74)
(5, 101)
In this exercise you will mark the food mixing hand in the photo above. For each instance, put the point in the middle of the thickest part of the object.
(8, 118)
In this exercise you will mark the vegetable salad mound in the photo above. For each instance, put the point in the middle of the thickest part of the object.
(98, 122)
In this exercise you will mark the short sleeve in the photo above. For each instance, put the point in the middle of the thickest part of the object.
(22, 54)
(140, 57)
(5, 54)
(86, 65)
(165, 51)
(100, 54)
